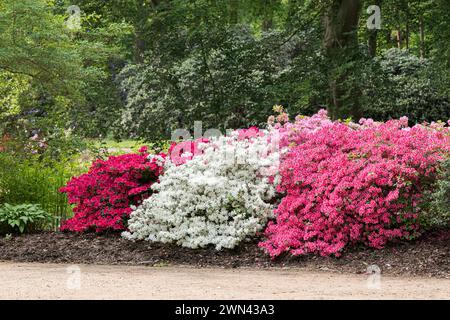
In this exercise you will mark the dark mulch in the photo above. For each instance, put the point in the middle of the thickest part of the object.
(426, 256)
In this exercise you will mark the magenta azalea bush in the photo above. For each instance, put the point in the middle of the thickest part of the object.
(103, 197)
(349, 183)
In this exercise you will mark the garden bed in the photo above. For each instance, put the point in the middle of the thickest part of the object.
(426, 256)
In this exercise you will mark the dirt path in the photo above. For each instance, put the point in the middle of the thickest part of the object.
(58, 281)
(428, 256)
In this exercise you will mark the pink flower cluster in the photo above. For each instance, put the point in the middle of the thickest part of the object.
(181, 152)
(103, 196)
(247, 134)
(351, 183)
(293, 133)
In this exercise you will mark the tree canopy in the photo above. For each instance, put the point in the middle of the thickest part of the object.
(140, 68)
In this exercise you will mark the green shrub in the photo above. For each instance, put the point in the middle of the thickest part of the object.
(229, 82)
(409, 89)
(438, 200)
(23, 218)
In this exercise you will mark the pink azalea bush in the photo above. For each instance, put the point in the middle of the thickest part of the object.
(103, 197)
(352, 183)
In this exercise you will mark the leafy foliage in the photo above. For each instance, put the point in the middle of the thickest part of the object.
(23, 218)
(35, 180)
(408, 90)
(11, 87)
(33, 53)
(437, 206)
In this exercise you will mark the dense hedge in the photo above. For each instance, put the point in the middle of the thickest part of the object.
(409, 89)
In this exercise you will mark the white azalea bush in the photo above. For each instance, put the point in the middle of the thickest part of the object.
(219, 197)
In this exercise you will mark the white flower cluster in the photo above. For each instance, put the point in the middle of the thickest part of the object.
(218, 198)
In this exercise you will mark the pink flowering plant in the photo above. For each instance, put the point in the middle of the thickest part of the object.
(183, 151)
(352, 183)
(103, 197)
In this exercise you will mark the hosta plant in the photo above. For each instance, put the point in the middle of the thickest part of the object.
(23, 218)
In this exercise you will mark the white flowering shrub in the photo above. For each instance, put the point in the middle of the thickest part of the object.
(220, 197)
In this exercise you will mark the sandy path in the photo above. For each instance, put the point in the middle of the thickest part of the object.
(57, 281)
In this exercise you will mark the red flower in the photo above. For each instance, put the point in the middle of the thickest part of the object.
(143, 149)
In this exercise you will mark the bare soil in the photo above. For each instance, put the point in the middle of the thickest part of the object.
(60, 281)
(428, 256)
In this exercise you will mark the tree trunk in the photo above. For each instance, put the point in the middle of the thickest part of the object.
(234, 11)
(422, 37)
(399, 38)
(341, 23)
(267, 22)
(407, 35)
(373, 36)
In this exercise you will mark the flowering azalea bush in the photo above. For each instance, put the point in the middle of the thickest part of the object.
(352, 183)
(219, 198)
(103, 196)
